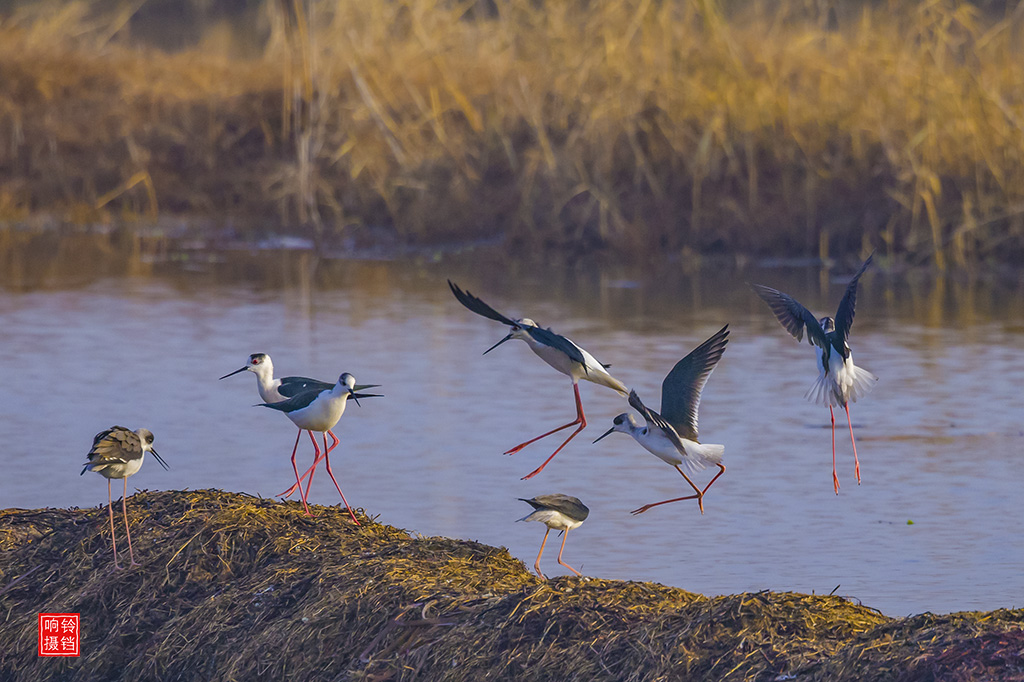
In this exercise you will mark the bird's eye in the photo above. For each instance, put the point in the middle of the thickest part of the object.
(149, 439)
(255, 361)
(618, 421)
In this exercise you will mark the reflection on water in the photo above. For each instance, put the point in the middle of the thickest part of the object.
(121, 330)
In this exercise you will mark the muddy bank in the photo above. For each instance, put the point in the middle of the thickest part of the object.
(236, 587)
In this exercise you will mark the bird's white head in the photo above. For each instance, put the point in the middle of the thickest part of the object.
(516, 331)
(623, 423)
(348, 381)
(258, 363)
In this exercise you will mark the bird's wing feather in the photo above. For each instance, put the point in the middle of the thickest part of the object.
(557, 341)
(680, 392)
(116, 444)
(654, 420)
(847, 306)
(477, 306)
(296, 402)
(293, 386)
(566, 504)
(792, 315)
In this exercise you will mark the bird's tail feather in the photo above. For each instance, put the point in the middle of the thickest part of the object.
(826, 391)
(700, 453)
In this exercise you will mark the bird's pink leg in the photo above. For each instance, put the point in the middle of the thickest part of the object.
(296, 485)
(581, 419)
(856, 461)
(565, 536)
(699, 496)
(298, 482)
(316, 459)
(835, 478)
(309, 471)
(536, 564)
(110, 508)
(579, 415)
(331, 474)
(124, 508)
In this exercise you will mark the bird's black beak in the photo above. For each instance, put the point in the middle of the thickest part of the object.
(161, 459)
(356, 396)
(234, 373)
(609, 431)
(507, 337)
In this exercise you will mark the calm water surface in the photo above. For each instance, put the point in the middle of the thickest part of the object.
(940, 437)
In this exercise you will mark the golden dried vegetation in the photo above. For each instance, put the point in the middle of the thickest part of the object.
(641, 124)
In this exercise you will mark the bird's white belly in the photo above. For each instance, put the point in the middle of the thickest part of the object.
(554, 520)
(321, 415)
(658, 444)
(555, 358)
(120, 469)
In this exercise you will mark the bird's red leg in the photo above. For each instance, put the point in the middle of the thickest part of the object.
(124, 508)
(296, 485)
(856, 461)
(835, 479)
(581, 419)
(536, 564)
(565, 536)
(579, 416)
(309, 471)
(721, 470)
(316, 460)
(699, 496)
(331, 474)
(110, 508)
(298, 482)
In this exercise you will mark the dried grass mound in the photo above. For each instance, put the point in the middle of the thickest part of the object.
(238, 588)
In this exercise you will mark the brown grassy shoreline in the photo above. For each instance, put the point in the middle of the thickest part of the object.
(644, 126)
(235, 587)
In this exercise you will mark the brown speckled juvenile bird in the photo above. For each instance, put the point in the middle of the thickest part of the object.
(118, 453)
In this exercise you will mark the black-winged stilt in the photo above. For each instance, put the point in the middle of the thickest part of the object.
(557, 351)
(118, 453)
(672, 435)
(319, 411)
(839, 380)
(557, 512)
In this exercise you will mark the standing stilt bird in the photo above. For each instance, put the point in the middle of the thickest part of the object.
(672, 435)
(557, 351)
(118, 453)
(839, 380)
(319, 411)
(557, 512)
(273, 390)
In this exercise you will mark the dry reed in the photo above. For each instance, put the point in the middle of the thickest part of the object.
(234, 587)
(641, 124)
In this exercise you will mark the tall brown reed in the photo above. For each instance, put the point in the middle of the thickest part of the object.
(643, 124)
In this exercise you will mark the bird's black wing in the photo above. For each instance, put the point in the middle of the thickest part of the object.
(477, 306)
(550, 338)
(680, 392)
(654, 419)
(566, 504)
(792, 315)
(296, 402)
(293, 386)
(847, 306)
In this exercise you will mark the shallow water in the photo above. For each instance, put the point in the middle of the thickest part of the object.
(939, 438)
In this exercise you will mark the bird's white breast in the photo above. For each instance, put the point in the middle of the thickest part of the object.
(322, 414)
